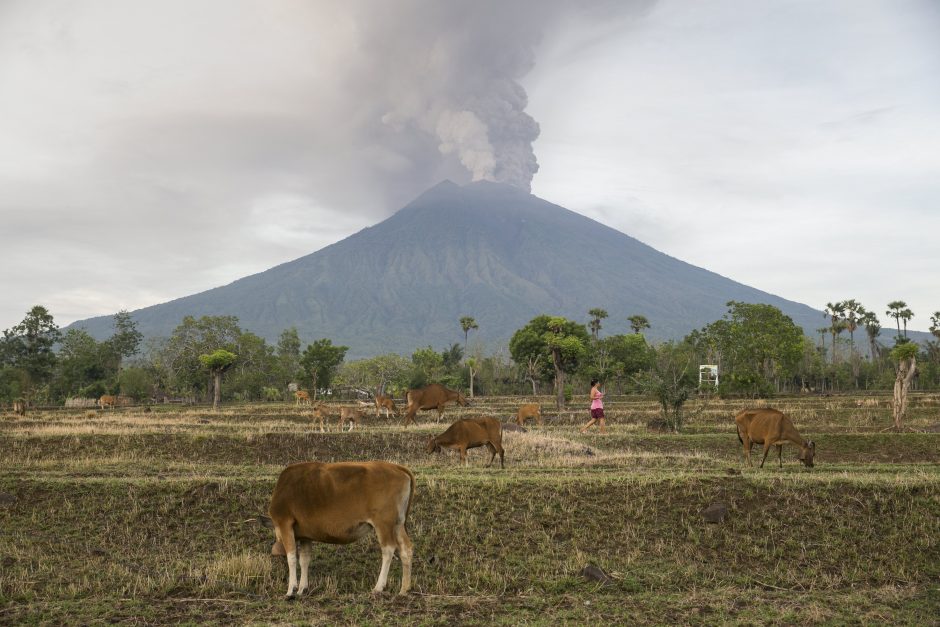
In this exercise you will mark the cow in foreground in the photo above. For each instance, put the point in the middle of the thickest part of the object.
(470, 433)
(771, 428)
(529, 410)
(338, 503)
(434, 396)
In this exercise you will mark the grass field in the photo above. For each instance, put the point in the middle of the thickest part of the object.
(148, 518)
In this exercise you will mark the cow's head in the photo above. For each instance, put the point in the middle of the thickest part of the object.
(432, 446)
(462, 400)
(807, 452)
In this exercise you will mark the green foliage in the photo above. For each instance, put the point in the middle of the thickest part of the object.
(82, 362)
(320, 361)
(755, 345)
(543, 334)
(288, 357)
(136, 383)
(26, 354)
(218, 360)
(126, 339)
(904, 351)
(192, 338)
(672, 378)
(386, 374)
(638, 323)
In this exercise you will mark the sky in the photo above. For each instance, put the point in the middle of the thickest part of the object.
(152, 150)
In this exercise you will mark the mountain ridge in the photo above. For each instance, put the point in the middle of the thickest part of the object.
(487, 250)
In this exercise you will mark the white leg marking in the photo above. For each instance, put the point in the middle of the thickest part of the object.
(304, 567)
(291, 573)
(387, 553)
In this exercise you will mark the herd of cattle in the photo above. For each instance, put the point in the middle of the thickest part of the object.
(337, 503)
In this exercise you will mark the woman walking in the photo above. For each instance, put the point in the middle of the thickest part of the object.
(597, 408)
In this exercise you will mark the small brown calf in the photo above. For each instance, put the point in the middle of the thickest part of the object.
(387, 403)
(352, 415)
(771, 428)
(107, 401)
(529, 410)
(470, 433)
(338, 504)
(301, 397)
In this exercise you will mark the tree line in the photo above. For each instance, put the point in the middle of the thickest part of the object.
(759, 350)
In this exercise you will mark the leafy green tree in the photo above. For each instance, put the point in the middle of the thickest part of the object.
(217, 363)
(427, 367)
(256, 369)
(82, 362)
(638, 323)
(135, 382)
(194, 337)
(320, 362)
(467, 323)
(386, 374)
(288, 357)
(551, 344)
(672, 379)
(597, 315)
(125, 342)
(26, 353)
(756, 345)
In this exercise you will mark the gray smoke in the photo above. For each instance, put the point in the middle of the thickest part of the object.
(450, 71)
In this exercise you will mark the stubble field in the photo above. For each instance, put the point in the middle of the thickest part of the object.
(149, 518)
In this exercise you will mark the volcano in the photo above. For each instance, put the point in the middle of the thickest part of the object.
(487, 250)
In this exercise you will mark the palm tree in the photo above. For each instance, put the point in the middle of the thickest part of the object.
(894, 311)
(935, 324)
(638, 323)
(467, 323)
(597, 315)
(872, 327)
(822, 338)
(853, 311)
(836, 324)
(906, 315)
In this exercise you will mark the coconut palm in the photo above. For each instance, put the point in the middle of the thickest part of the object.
(895, 308)
(467, 323)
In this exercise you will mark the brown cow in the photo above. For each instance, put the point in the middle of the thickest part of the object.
(301, 397)
(529, 410)
(387, 403)
(338, 504)
(771, 428)
(107, 401)
(19, 407)
(470, 433)
(434, 396)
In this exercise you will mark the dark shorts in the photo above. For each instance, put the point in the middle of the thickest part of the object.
(597, 413)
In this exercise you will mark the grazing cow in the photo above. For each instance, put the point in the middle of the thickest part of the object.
(434, 396)
(352, 415)
(470, 433)
(301, 397)
(338, 504)
(107, 401)
(387, 403)
(529, 410)
(771, 428)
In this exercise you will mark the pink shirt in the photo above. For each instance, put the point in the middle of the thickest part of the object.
(597, 402)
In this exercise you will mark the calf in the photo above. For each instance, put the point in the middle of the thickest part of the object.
(107, 401)
(338, 504)
(771, 428)
(470, 433)
(530, 410)
(387, 403)
(352, 415)
(301, 397)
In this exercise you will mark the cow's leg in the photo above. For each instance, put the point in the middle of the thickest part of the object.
(492, 453)
(286, 535)
(747, 449)
(405, 553)
(304, 566)
(463, 455)
(387, 542)
(440, 412)
(767, 446)
(502, 456)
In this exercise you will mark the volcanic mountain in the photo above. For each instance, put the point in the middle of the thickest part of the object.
(486, 250)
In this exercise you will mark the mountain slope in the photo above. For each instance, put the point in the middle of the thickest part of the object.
(487, 250)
